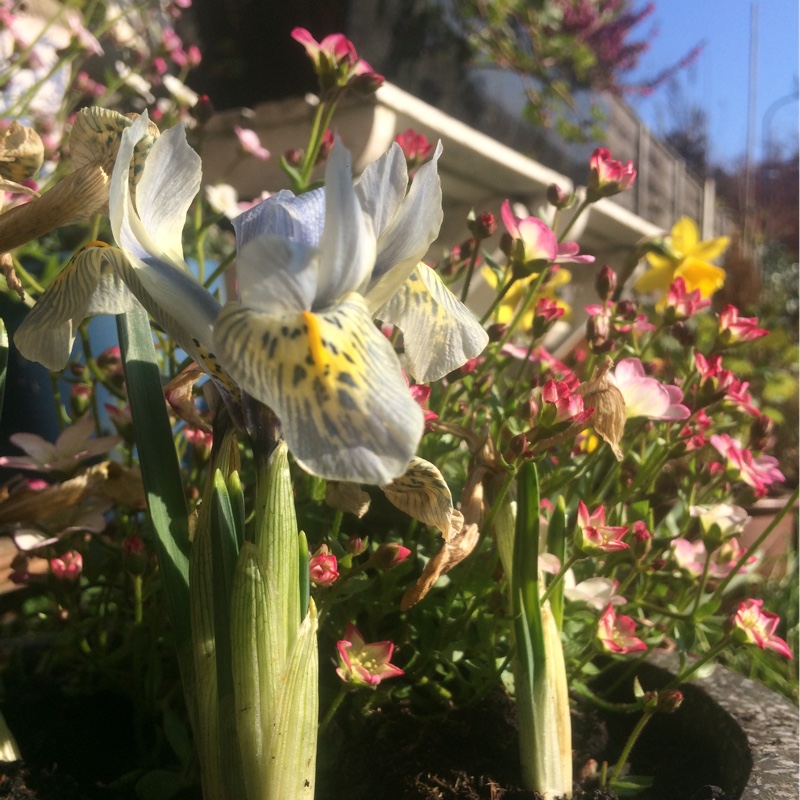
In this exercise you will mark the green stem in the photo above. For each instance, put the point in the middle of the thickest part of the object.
(626, 751)
(332, 709)
(499, 299)
(558, 577)
(470, 269)
(583, 206)
(755, 545)
(705, 658)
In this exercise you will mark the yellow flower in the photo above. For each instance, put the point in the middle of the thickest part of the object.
(690, 260)
(509, 305)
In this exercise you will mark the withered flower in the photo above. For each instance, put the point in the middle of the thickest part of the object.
(94, 142)
(608, 420)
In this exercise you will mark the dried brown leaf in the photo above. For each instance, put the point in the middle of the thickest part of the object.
(347, 497)
(460, 544)
(422, 493)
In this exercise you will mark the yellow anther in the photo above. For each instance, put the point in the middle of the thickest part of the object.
(318, 352)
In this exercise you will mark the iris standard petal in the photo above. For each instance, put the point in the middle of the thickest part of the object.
(91, 283)
(169, 183)
(298, 219)
(277, 276)
(439, 332)
(382, 187)
(347, 244)
(404, 242)
(335, 383)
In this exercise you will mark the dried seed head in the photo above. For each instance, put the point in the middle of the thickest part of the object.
(21, 152)
(608, 420)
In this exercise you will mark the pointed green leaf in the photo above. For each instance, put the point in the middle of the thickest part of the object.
(557, 545)
(293, 744)
(236, 495)
(162, 479)
(304, 575)
(276, 540)
(224, 551)
(256, 667)
(3, 362)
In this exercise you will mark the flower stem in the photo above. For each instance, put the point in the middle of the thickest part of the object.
(332, 709)
(755, 545)
(626, 751)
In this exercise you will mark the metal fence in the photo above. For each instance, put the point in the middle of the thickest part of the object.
(665, 189)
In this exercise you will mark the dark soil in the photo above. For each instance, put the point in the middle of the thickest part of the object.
(83, 749)
(471, 754)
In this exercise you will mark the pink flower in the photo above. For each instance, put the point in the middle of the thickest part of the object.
(760, 473)
(336, 62)
(608, 177)
(535, 241)
(250, 143)
(751, 625)
(615, 633)
(364, 664)
(68, 566)
(421, 393)
(595, 592)
(691, 556)
(734, 329)
(72, 447)
(645, 396)
(738, 395)
(594, 536)
(681, 304)
(694, 432)
(716, 380)
(323, 567)
(565, 405)
(415, 146)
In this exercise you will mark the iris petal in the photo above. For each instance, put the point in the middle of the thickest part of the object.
(335, 383)
(439, 332)
(91, 283)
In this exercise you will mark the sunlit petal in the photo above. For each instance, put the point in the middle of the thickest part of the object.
(408, 236)
(710, 249)
(335, 383)
(656, 279)
(91, 283)
(439, 332)
(298, 219)
(684, 235)
(347, 244)
(168, 184)
(701, 275)
(382, 186)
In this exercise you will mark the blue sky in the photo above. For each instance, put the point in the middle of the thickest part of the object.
(718, 80)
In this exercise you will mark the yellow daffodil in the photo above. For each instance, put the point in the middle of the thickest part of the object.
(690, 260)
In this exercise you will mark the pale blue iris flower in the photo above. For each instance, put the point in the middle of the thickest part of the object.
(313, 274)
(439, 333)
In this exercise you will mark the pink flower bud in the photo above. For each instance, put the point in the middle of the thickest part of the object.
(68, 566)
(323, 567)
(389, 555)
